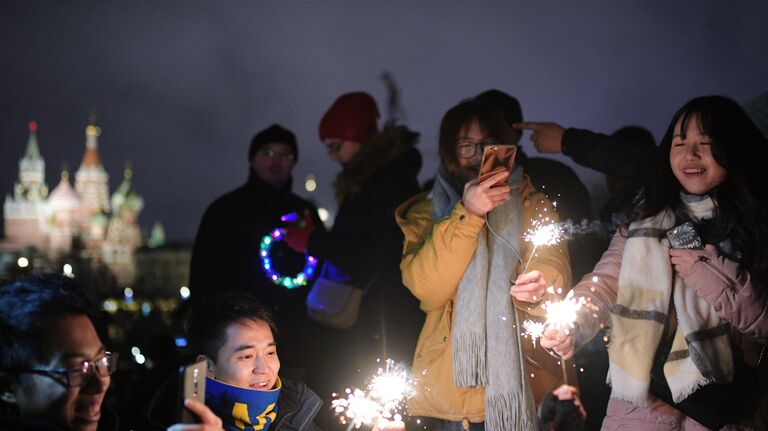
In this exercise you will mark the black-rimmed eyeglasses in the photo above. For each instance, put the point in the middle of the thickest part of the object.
(469, 150)
(272, 154)
(73, 377)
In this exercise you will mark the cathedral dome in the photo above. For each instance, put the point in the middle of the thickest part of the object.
(64, 195)
(125, 197)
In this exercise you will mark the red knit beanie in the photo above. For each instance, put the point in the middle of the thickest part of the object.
(352, 117)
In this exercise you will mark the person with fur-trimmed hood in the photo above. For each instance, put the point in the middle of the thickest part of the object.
(379, 172)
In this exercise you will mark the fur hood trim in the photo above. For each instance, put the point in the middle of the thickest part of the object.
(392, 143)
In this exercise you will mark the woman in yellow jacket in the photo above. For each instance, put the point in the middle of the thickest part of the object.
(462, 259)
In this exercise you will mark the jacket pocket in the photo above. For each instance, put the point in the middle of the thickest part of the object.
(434, 344)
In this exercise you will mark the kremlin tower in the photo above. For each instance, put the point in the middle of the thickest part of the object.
(92, 185)
(123, 235)
(79, 221)
(24, 213)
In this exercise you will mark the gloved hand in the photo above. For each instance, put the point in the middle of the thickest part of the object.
(297, 234)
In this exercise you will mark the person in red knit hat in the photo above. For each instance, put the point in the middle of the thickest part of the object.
(379, 171)
(349, 122)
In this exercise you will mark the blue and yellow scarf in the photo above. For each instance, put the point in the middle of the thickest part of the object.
(242, 409)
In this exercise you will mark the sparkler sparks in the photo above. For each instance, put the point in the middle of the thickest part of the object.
(542, 235)
(560, 315)
(387, 391)
(563, 314)
(533, 330)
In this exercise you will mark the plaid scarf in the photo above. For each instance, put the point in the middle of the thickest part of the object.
(701, 352)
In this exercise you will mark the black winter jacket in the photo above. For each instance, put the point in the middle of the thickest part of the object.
(226, 257)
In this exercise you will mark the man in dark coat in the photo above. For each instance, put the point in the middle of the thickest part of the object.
(226, 254)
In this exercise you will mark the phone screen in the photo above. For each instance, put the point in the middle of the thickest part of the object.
(192, 385)
(497, 158)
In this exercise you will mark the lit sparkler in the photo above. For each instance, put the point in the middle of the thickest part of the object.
(542, 235)
(562, 315)
(387, 391)
(533, 330)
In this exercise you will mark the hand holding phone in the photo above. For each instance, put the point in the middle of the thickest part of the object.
(479, 198)
(497, 158)
(685, 236)
(191, 386)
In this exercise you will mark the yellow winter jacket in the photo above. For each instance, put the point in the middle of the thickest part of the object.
(435, 256)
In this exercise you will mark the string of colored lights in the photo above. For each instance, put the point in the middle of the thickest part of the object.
(289, 282)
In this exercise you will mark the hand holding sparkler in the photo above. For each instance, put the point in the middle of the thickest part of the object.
(561, 325)
(555, 332)
(560, 341)
(529, 287)
(390, 426)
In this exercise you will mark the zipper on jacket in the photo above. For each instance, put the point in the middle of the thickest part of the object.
(285, 418)
(719, 272)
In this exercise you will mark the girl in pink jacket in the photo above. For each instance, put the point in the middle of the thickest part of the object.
(683, 286)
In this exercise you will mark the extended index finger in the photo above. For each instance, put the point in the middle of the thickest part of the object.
(527, 125)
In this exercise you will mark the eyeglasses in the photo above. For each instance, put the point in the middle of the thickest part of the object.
(272, 154)
(468, 149)
(333, 146)
(73, 377)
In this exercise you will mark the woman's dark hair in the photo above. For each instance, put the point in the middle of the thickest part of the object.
(741, 200)
(459, 118)
(28, 309)
(207, 328)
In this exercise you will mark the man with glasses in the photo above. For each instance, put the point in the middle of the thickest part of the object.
(226, 254)
(54, 369)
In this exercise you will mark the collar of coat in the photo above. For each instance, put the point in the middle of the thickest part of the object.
(261, 189)
(384, 147)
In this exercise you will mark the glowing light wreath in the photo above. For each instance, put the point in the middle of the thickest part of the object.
(299, 279)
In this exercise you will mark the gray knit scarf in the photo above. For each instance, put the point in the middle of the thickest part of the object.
(486, 345)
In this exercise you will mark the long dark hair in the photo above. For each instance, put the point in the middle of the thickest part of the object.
(741, 200)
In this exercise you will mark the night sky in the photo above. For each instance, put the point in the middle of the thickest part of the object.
(179, 88)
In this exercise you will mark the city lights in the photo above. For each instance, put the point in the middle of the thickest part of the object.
(310, 184)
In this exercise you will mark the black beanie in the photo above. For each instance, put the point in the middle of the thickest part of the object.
(274, 134)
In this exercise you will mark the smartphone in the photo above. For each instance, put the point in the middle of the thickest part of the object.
(685, 236)
(191, 385)
(497, 158)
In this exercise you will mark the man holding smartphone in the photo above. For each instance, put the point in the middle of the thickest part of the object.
(235, 338)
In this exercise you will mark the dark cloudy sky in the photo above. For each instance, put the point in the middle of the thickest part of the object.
(179, 87)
